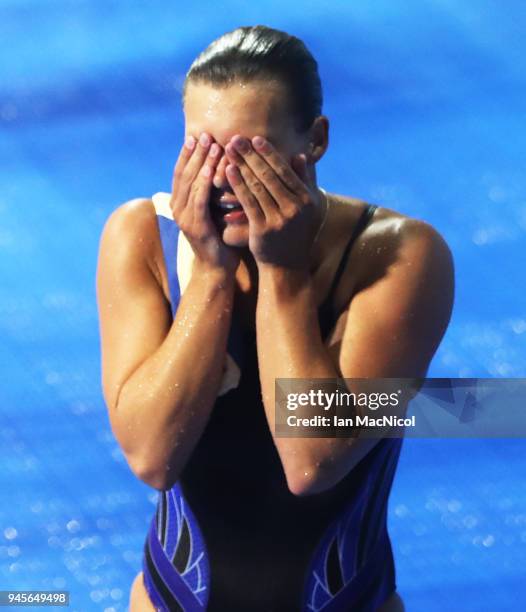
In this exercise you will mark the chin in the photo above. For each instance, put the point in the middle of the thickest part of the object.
(236, 235)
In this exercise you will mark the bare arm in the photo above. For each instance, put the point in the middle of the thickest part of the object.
(392, 330)
(160, 378)
(393, 326)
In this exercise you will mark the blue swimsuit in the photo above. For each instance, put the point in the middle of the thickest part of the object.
(229, 536)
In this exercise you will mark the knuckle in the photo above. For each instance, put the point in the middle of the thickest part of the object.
(183, 225)
(175, 205)
(281, 223)
(290, 212)
(282, 172)
(257, 186)
(186, 176)
(277, 224)
(267, 174)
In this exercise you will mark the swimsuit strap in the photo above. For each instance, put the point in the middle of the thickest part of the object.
(325, 309)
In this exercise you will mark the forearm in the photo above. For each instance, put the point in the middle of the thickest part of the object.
(165, 404)
(290, 346)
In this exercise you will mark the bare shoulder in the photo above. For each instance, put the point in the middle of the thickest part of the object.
(131, 230)
(133, 221)
(390, 225)
(394, 250)
(401, 300)
(392, 238)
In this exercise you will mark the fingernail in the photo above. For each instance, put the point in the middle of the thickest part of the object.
(190, 142)
(231, 152)
(214, 149)
(204, 140)
(241, 145)
(258, 142)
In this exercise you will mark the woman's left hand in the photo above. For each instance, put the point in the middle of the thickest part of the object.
(281, 203)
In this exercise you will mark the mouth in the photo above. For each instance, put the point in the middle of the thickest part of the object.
(229, 210)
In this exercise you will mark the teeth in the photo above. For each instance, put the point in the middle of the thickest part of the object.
(229, 206)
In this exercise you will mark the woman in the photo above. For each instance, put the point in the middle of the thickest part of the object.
(248, 272)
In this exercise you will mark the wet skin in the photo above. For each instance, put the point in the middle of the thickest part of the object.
(398, 261)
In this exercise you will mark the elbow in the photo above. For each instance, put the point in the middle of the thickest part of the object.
(308, 481)
(155, 477)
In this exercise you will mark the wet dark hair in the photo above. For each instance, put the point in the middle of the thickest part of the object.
(251, 53)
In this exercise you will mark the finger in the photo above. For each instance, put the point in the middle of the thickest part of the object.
(264, 173)
(268, 205)
(184, 155)
(193, 167)
(250, 205)
(188, 173)
(202, 185)
(220, 177)
(283, 169)
(266, 202)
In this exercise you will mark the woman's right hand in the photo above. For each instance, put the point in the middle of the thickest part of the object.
(191, 187)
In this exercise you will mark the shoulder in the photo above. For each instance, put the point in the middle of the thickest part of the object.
(131, 233)
(130, 220)
(389, 224)
(402, 300)
(402, 232)
(406, 273)
(394, 251)
(392, 239)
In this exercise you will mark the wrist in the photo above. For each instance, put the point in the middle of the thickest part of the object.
(283, 282)
(216, 276)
